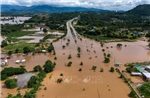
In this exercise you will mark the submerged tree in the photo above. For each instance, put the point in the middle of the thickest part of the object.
(45, 30)
(48, 66)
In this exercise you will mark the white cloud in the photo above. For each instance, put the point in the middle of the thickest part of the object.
(101, 4)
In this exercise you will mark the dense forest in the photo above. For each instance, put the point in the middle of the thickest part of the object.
(114, 25)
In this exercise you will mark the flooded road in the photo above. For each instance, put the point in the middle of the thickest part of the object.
(86, 83)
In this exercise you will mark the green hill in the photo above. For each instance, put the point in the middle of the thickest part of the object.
(142, 10)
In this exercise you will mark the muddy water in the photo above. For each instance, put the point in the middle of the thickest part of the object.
(87, 83)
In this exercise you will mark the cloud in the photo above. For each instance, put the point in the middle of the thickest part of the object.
(101, 4)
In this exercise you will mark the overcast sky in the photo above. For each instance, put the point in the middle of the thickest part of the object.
(100, 4)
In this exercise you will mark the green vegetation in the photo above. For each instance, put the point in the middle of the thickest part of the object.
(18, 34)
(145, 90)
(50, 48)
(94, 67)
(30, 94)
(80, 69)
(9, 53)
(33, 82)
(69, 64)
(112, 69)
(132, 94)
(45, 30)
(59, 80)
(101, 70)
(4, 43)
(48, 66)
(79, 49)
(19, 46)
(61, 74)
(10, 71)
(69, 57)
(111, 26)
(8, 30)
(11, 83)
(119, 45)
(37, 68)
(106, 60)
(81, 63)
(26, 50)
(131, 68)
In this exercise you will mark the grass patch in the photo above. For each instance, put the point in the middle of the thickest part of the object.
(19, 34)
(106, 39)
(20, 46)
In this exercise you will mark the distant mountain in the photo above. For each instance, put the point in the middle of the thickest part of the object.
(5, 8)
(142, 10)
(46, 8)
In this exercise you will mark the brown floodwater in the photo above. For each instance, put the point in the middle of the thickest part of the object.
(87, 83)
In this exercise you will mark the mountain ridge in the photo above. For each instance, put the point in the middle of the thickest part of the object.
(47, 8)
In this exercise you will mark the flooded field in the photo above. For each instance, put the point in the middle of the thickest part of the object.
(37, 36)
(86, 83)
(13, 20)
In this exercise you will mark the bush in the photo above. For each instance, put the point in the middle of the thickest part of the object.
(81, 63)
(61, 74)
(30, 94)
(26, 50)
(119, 45)
(48, 66)
(17, 50)
(69, 57)
(108, 55)
(50, 48)
(111, 69)
(59, 80)
(10, 53)
(94, 67)
(106, 60)
(4, 43)
(37, 68)
(145, 90)
(11, 83)
(132, 94)
(32, 82)
(69, 64)
(101, 70)
(10, 71)
(80, 69)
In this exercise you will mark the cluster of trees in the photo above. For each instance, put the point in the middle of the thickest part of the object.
(50, 48)
(112, 69)
(11, 83)
(48, 66)
(6, 29)
(131, 68)
(145, 90)
(106, 58)
(10, 71)
(111, 24)
(35, 81)
(4, 43)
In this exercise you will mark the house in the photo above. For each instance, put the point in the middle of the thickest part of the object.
(146, 75)
(136, 73)
(147, 68)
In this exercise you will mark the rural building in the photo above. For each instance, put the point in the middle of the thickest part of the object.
(146, 76)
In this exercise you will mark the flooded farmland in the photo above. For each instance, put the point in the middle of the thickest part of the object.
(86, 83)
(13, 20)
